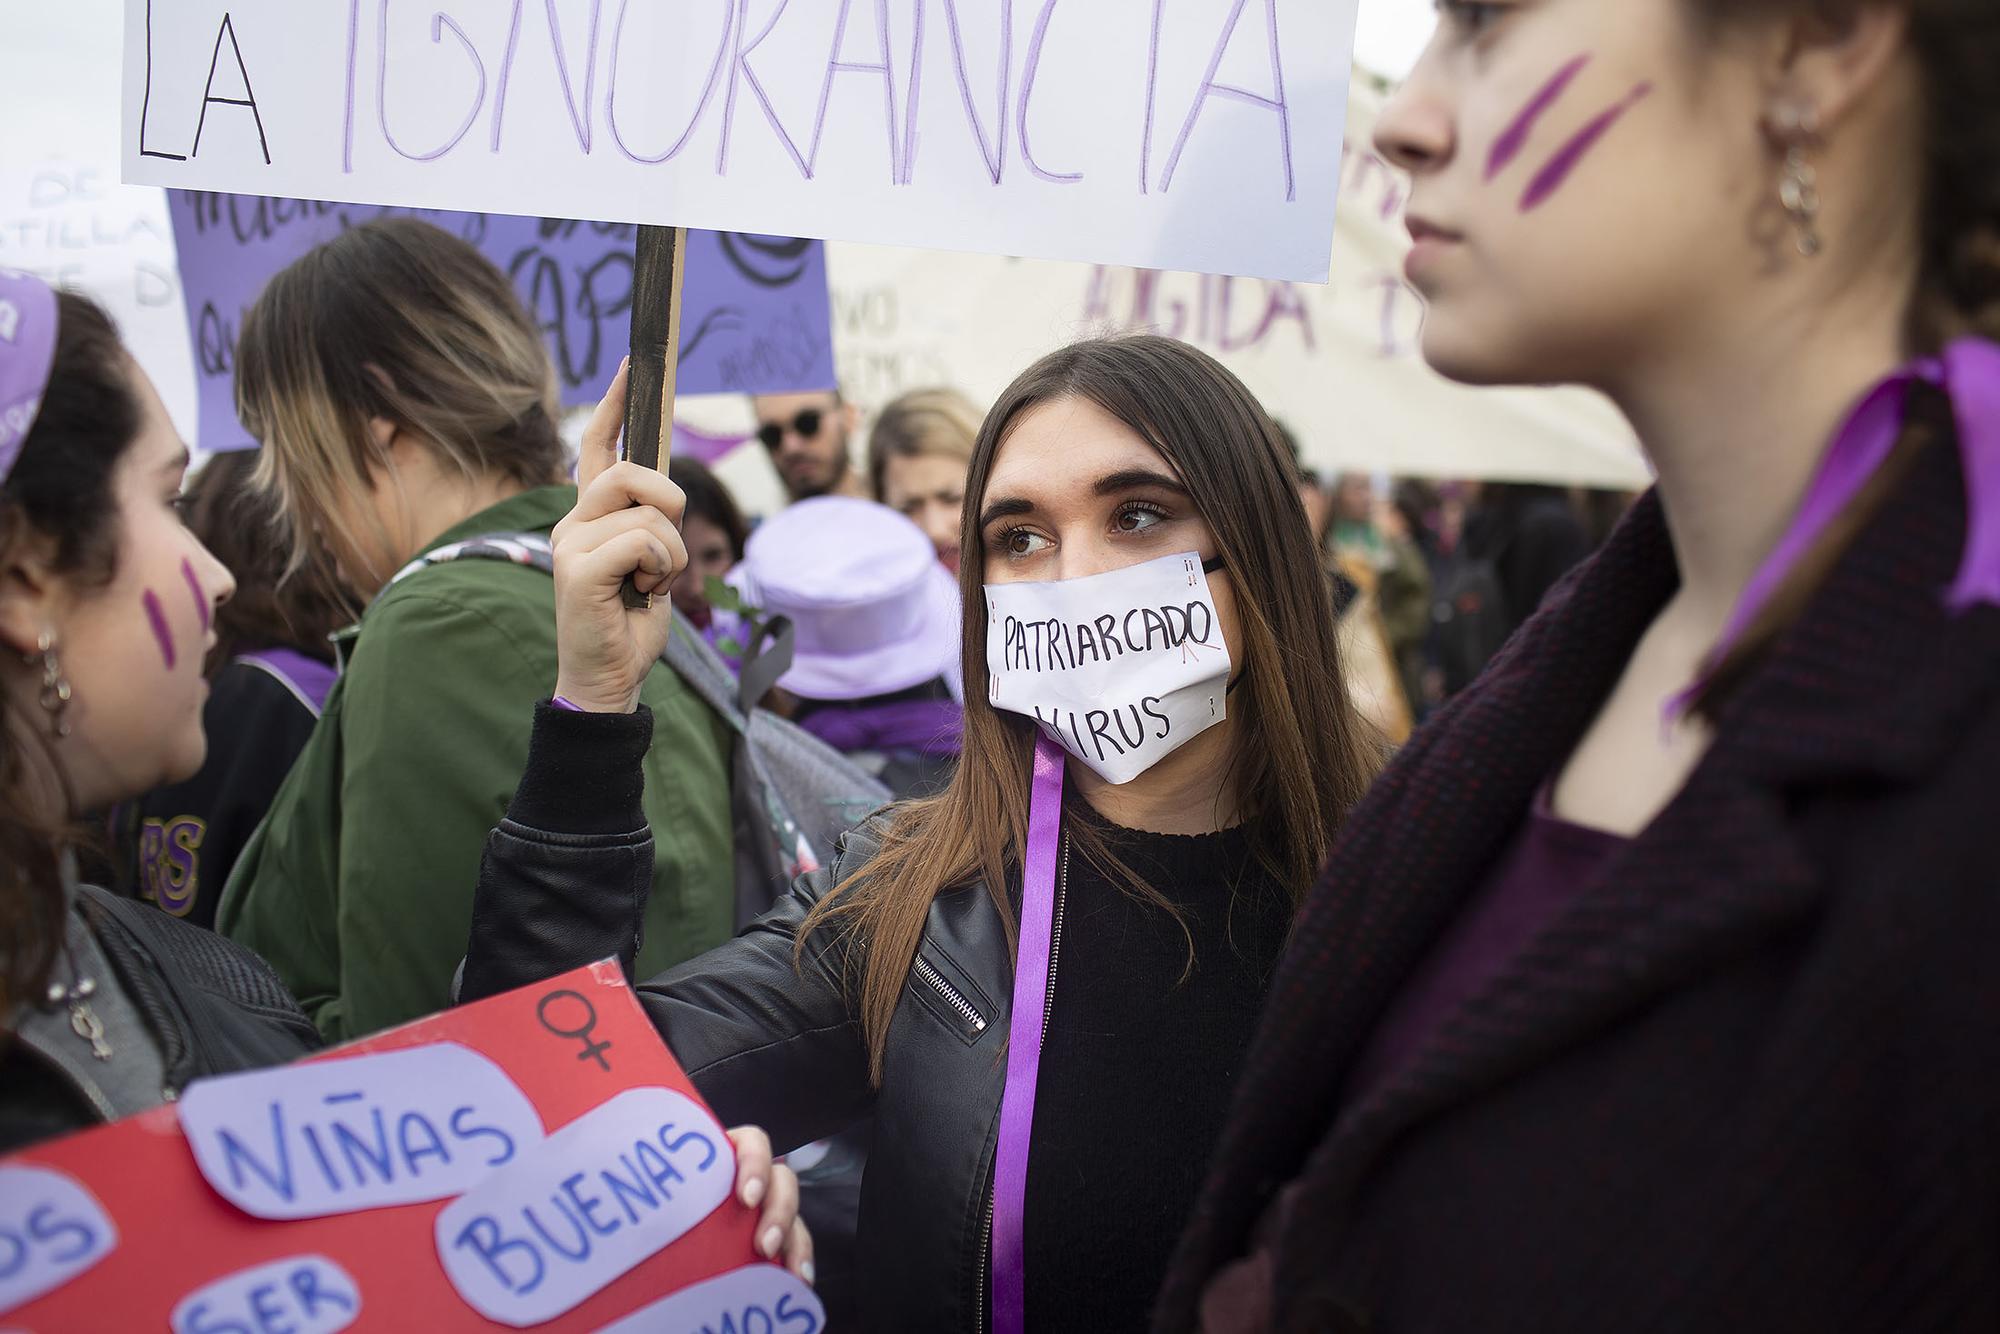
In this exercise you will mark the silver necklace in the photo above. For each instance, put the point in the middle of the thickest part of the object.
(83, 1020)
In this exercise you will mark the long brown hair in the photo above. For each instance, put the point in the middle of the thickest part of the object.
(61, 490)
(400, 320)
(1302, 756)
(236, 521)
(1957, 47)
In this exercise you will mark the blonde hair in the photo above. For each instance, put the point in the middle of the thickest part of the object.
(939, 422)
(394, 319)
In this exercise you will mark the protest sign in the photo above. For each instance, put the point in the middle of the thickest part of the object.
(756, 307)
(534, 1159)
(1203, 135)
(63, 215)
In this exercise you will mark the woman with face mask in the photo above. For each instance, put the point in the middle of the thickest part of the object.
(1040, 981)
(1652, 987)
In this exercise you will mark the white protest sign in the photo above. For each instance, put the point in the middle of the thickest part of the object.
(51, 1230)
(756, 1299)
(364, 1132)
(301, 1294)
(1199, 135)
(1121, 667)
(63, 215)
(595, 1198)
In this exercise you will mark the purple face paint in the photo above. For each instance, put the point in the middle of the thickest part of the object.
(1551, 177)
(200, 598)
(161, 631)
(1515, 137)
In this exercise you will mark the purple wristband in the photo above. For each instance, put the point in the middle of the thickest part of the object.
(566, 706)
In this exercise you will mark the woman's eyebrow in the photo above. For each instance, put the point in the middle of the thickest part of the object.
(1111, 484)
(1132, 478)
(1002, 509)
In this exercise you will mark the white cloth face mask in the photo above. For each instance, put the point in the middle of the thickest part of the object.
(1120, 668)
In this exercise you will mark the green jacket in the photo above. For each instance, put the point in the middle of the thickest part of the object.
(358, 886)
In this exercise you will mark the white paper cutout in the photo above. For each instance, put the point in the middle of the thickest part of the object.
(301, 1294)
(1121, 668)
(598, 1196)
(756, 1299)
(51, 1230)
(366, 1132)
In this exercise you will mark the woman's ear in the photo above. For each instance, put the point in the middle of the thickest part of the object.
(31, 596)
(382, 435)
(1831, 67)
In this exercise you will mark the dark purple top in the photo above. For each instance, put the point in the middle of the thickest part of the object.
(1546, 865)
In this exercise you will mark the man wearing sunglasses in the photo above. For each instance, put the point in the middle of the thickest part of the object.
(807, 436)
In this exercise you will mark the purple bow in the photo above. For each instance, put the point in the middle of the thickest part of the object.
(1969, 373)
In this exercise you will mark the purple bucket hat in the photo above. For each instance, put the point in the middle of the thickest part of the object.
(872, 610)
(27, 352)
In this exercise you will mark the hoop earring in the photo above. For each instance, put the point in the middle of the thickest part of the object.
(1798, 184)
(55, 695)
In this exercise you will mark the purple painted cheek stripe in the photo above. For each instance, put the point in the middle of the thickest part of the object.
(1551, 177)
(1024, 1039)
(161, 631)
(1515, 137)
(200, 596)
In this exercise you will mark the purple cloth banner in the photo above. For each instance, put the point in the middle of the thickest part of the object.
(755, 316)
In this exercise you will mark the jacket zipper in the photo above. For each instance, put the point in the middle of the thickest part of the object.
(1055, 937)
(982, 1313)
(952, 995)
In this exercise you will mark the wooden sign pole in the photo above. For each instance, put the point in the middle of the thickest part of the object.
(657, 269)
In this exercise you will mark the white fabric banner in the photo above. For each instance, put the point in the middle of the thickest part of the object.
(1200, 135)
(1339, 363)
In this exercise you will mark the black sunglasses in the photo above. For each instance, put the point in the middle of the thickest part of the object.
(806, 425)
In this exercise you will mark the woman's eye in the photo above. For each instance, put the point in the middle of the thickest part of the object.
(183, 505)
(1021, 542)
(1471, 17)
(1138, 518)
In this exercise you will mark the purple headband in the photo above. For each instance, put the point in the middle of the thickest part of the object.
(27, 352)
(1969, 373)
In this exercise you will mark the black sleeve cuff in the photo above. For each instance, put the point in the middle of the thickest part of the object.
(585, 773)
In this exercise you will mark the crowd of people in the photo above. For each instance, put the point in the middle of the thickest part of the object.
(1449, 905)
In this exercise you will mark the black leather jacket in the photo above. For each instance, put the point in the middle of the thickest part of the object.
(209, 1006)
(767, 1041)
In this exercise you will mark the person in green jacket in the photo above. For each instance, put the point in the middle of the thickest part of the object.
(406, 404)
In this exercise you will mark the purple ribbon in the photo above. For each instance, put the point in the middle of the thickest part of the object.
(1024, 1038)
(309, 678)
(1969, 373)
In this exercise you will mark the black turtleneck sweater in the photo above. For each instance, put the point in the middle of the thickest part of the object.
(1138, 1065)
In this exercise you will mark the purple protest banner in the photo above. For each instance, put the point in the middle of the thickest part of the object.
(755, 313)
